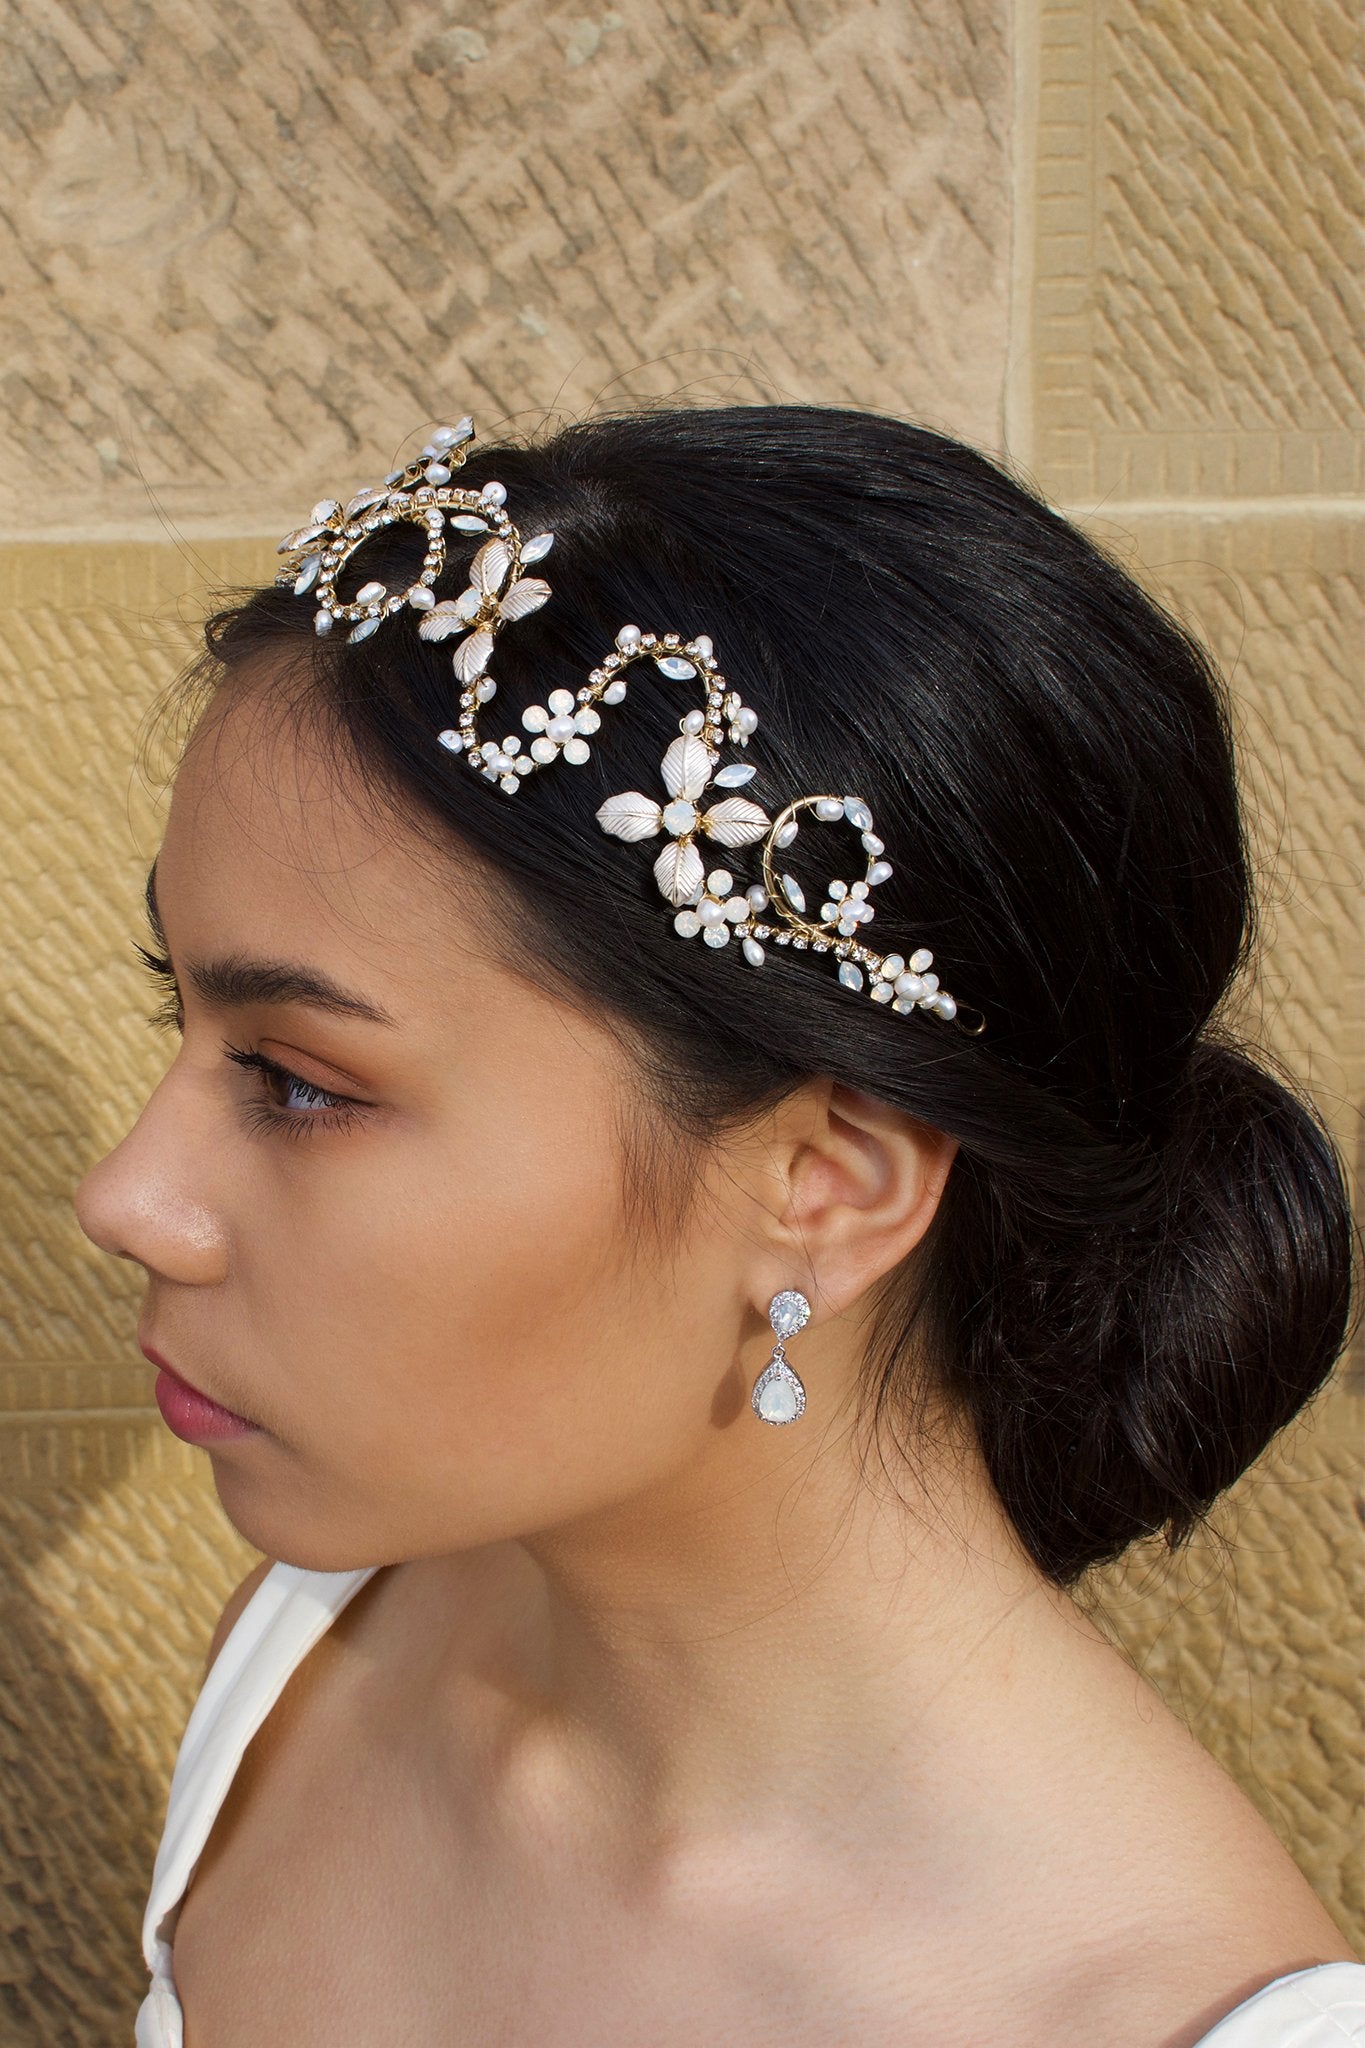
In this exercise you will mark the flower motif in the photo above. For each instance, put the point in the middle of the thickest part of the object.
(559, 726)
(679, 869)
(847, 908)
(478, 611)
(716, 908)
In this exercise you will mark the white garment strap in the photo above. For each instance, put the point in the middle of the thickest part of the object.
(1320, 2007)
(285, 1616)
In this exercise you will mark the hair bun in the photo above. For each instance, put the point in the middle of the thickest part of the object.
(1121, 1378)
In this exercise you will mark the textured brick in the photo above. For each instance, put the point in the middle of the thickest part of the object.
(247, 248)
(1196, 251)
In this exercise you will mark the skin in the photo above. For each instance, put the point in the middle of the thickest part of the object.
(668, 1666)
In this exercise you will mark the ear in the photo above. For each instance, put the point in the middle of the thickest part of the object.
(852, 1187)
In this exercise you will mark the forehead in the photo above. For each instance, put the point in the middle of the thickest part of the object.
(275, 844)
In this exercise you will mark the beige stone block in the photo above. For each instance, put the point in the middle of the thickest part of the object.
(1189, 311)
(246, 251)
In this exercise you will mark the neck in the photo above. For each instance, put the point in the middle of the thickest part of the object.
(693, 1655)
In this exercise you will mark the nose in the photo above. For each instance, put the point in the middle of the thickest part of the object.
(150, 1199)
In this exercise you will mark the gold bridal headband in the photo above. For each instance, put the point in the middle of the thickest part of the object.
(709, 902)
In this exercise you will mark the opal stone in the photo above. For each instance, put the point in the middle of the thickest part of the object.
(777, 1402)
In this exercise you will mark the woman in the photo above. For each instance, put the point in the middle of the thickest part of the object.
(678, 1387)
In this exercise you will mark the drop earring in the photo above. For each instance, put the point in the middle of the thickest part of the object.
(778, 1394)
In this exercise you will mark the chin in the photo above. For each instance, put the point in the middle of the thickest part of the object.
(276, 1521)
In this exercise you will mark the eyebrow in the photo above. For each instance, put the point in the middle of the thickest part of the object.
(237, 982)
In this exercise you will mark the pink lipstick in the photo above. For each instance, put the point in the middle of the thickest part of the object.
(190, 1414)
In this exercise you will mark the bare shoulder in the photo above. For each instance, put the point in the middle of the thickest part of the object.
(233, 1606)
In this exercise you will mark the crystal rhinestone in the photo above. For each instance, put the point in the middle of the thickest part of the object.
(789, 1312)
(753, 952)
(851, 975)
(921, 959)
(857, 813)
(676, 667)
(777, 1402)
(450, 738)
(792, 890)
(829, 808)
(680, 816)
(800, 943)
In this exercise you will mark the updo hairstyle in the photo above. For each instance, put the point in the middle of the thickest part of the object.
(1141, 1265)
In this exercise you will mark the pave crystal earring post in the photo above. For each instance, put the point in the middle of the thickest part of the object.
(778, 1394)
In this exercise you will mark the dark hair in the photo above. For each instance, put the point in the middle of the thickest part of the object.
(1141, 1264)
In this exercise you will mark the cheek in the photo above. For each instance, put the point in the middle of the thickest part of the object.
(464, 1347)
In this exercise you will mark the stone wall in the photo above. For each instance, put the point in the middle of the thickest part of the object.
(248, 249)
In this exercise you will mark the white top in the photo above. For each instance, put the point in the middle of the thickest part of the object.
(1322, 2007)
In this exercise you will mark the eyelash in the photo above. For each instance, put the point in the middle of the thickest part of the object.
(338, 1112)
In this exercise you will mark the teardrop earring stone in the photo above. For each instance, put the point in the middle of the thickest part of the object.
(789, 1312)
(778, 1394)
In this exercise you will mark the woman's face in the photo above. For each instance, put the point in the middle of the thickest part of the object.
(406, 1263)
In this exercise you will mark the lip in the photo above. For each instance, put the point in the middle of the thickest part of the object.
(190, 1415)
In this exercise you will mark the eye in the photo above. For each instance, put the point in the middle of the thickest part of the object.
(320, 1106)
(273, 1110)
